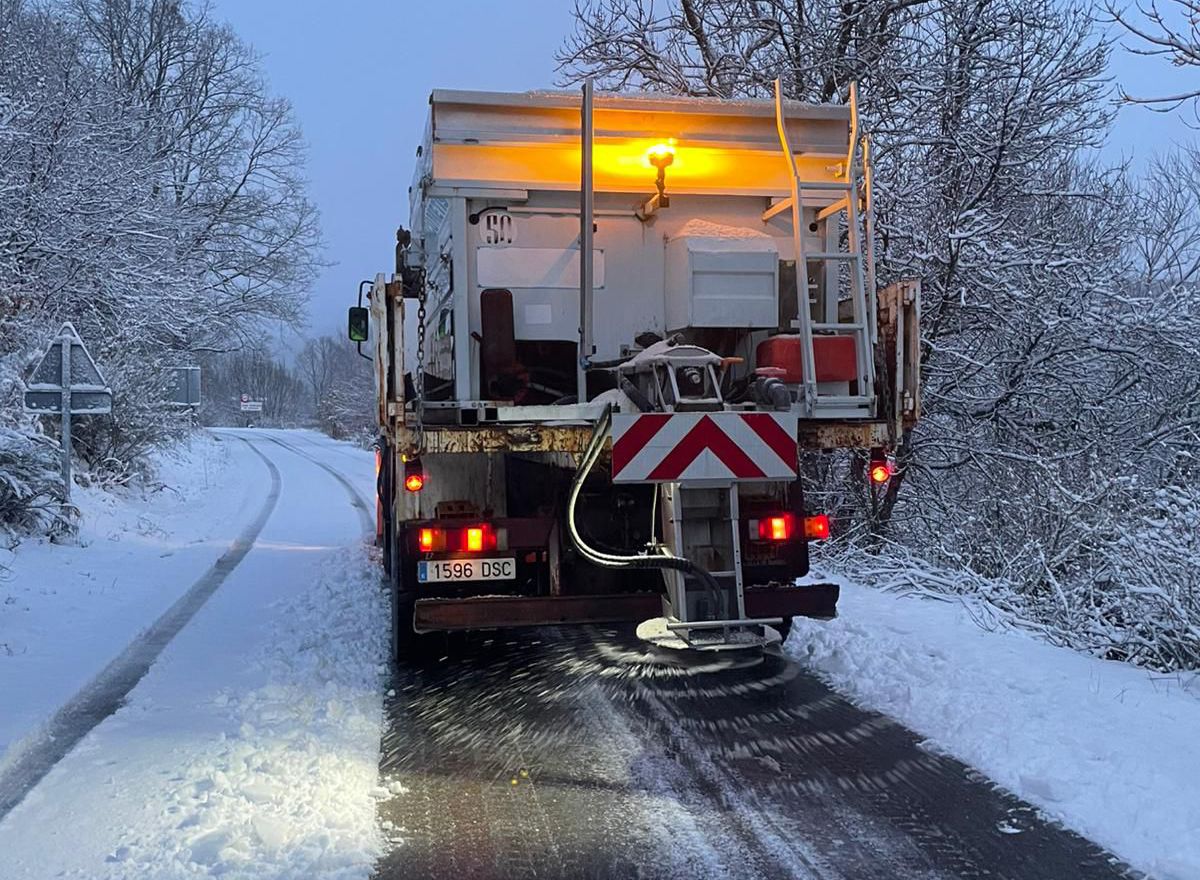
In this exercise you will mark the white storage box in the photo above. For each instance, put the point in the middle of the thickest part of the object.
(724, 277)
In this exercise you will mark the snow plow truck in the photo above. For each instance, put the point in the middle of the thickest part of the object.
(617, 326)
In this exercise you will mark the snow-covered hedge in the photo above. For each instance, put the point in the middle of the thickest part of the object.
(1144, 609)
(30, 482)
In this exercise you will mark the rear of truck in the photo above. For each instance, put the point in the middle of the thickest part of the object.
(598, 379)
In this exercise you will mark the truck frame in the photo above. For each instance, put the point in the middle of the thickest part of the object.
(597, 378)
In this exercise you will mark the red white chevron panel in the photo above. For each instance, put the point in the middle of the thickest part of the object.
(716, 447)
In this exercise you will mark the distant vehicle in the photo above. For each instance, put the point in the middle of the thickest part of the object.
(615, 378)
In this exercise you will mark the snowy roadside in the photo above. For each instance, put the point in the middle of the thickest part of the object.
(276, 789)
(251, 747)
(67, 609)
(1110, 750)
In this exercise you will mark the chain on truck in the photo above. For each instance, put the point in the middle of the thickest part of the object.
(617, 327)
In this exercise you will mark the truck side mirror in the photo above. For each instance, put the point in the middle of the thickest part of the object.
(359, 324)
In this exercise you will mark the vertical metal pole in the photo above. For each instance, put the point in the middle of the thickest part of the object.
(673, 507)
(869, 240)
(586, 199)
(735, 515)
(803, 321)
(466, 368)
(66, 340)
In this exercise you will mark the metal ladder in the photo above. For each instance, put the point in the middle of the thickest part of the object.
(862, 270)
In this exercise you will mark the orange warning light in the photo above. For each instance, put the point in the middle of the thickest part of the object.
(775, 528)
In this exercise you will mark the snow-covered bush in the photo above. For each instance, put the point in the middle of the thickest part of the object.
(1139, 605)
(31, 487)
(1153, 606)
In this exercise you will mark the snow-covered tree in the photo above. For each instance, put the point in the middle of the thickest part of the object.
(1057, 297)
(262, 376)
(228, 157)
(151, 191)
(1169, 29)
(341, 385)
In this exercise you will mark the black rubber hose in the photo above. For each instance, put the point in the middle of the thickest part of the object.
(635, 394)
(606, 560)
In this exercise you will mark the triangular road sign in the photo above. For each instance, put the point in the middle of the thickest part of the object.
(85, 375)
(90, 394)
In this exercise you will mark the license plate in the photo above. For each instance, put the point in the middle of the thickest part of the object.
(435, 570)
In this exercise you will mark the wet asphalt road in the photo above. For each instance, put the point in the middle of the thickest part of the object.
(579, 754)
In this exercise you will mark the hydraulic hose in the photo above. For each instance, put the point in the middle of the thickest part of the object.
(635, 394)
(663, 560)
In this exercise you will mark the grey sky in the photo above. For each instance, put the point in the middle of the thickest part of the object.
(360, 73)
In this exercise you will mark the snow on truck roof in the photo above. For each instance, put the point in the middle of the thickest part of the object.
(530, 140)
(559, 98)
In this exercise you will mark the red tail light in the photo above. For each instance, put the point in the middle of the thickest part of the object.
(474, 538)
(816, 528)
(880, 468)
(782, 527)
(775, 528)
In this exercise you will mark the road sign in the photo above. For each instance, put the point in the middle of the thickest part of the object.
(67, 381)
(245, 398)
(716, 447)
(252, 405)
(88, 392)
(184, 389)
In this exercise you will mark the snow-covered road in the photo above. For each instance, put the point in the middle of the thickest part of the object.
(250, 747)
(200, 688)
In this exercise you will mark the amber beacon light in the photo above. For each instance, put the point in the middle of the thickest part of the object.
(660, 156)
(414, 475)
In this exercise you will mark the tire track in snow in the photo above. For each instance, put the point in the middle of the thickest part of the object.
(334, 446)
(105, 693)
(365, 513)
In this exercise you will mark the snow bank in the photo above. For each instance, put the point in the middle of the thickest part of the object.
(251, 747)
(67, 609)
(1110, 750)
(283, 790)
(235, 756)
